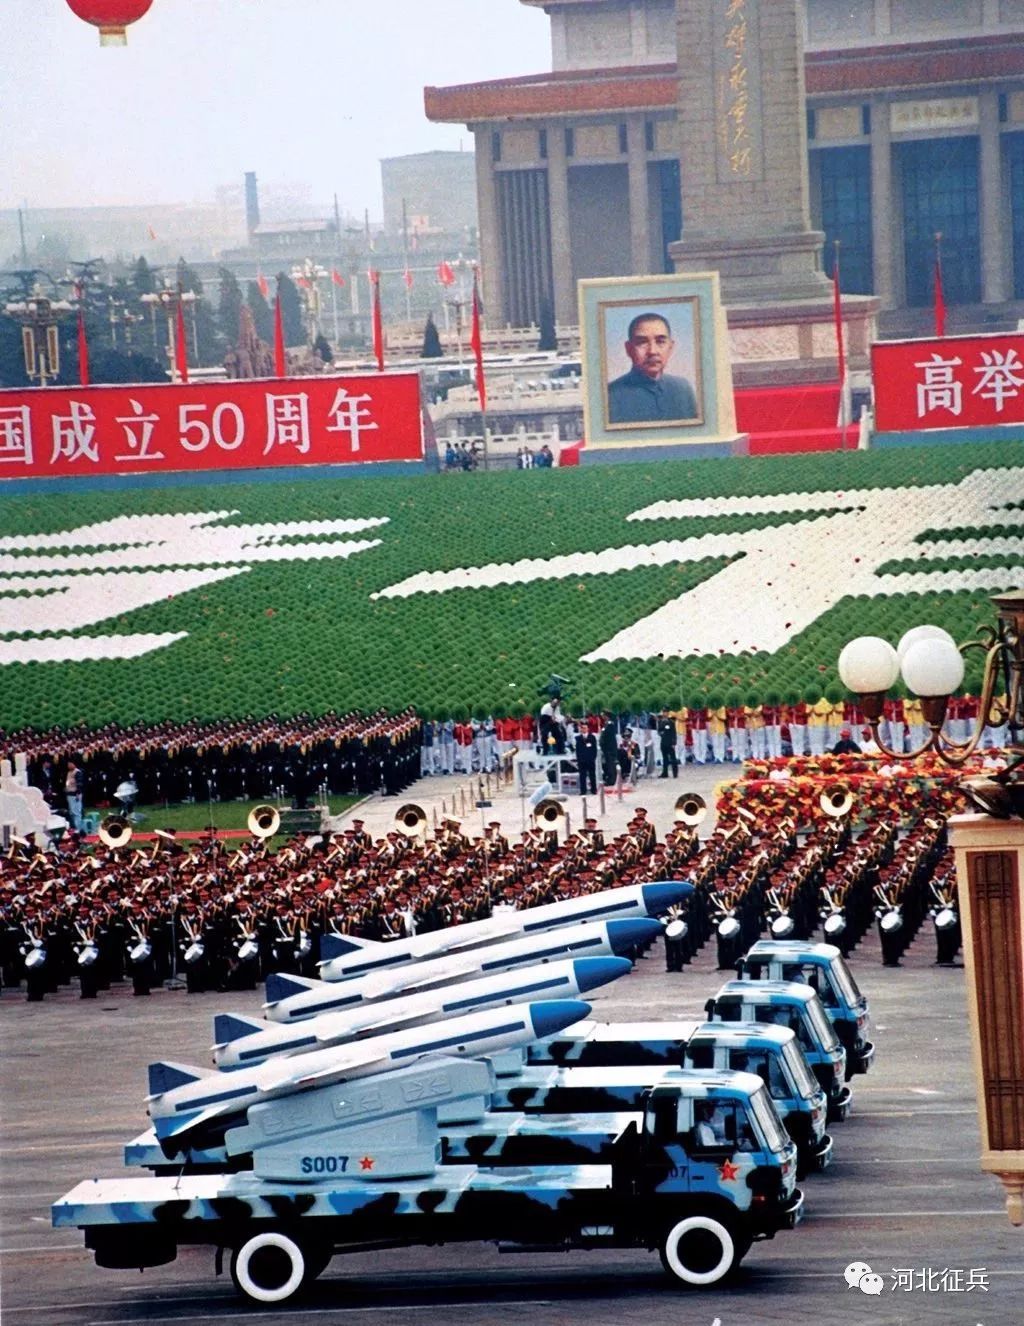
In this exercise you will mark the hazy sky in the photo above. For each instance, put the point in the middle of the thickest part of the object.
(304, 91)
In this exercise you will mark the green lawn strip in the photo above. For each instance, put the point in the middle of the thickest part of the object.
(195, 817)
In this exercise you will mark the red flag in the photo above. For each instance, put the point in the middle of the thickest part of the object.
(263, 285)
(337, 277)
(83, 344)
(407, 278)
(940, 299)
(378, 322)
(477, 344)
(445, 274)
(280, 363)
(151, 232)
(303, 283)
(180, 344)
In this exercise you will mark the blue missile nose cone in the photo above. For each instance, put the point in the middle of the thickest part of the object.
(592, 972)
(658, 898)
(553, 1015)
(625, 936)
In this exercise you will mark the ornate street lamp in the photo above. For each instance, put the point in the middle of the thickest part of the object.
(169, 300)
(307, 276)
(39, 318)
(989, 848)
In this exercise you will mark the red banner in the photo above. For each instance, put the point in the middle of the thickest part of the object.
(238, 424)
(955, 382)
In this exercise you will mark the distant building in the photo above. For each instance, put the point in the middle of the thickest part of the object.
(915, 125)
(436, 189)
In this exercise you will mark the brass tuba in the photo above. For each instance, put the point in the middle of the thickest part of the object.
(836, 800)
(548, 812)
(412, 820)
(691, 809)
(115, 832)
(264, 821)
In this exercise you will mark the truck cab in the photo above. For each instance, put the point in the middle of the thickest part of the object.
(718, 1138)
(774, 1055)
(825, 970)
(788, 1004)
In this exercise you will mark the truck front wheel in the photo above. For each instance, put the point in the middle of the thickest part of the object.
(269, 1267)
(699, 1250)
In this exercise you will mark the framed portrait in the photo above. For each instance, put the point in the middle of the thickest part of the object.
(655, 361)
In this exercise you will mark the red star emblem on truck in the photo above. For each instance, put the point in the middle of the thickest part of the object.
(366, 1162)
(729, 1171)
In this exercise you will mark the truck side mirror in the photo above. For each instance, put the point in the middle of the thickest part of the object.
(709, 1008)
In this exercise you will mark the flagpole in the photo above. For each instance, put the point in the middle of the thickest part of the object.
(840, 345)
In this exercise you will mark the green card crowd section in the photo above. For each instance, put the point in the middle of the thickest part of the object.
(647, 586)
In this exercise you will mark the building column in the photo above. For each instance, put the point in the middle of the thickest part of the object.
(990, 200)
(487, 227)
(991, 14)
(883, 223)
(639, 197)
(883, 18)
(566, 311)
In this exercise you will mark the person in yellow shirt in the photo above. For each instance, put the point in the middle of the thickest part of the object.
(818, 715)
(717, 726)
(756, 735)
(918, 729)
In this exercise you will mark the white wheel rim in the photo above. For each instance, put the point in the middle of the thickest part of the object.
(257, 1291)
(679, 1268)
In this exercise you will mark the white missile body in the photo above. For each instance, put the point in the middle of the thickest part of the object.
(350, 957)
(291, 999)
(183, 1099)
(245, 1041)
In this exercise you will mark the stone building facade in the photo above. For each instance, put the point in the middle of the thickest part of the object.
(913, 122)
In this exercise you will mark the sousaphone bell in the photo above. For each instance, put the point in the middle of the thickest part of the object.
(115, 832)
(412, 820)
(263, 821)
(690, 809)
(548, 813)
(836, 800)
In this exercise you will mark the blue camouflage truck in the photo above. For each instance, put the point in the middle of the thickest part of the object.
(826, 971)
(704, 1170)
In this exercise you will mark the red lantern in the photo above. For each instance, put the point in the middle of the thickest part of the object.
(110, 16)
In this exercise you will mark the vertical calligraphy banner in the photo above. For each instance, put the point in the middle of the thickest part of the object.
(736, 68)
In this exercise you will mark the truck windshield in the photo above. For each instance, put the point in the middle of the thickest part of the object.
(767, 1120)
(843, 978)
(822, 1028)
(805, 1081)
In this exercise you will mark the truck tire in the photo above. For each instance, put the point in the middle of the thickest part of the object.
(269, 1268)
(699, 1250)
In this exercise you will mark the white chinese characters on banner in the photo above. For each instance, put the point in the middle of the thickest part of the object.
(138, 434)
(1000, 375)
(74, 434)
(15, 435)
(350, 416)
(288, 422)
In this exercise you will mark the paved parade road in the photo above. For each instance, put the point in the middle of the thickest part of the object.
(904, 1190)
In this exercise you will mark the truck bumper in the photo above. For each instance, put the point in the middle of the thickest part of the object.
(862, 1056)
(793, 1212)
(839, 1105)
(823, 1153)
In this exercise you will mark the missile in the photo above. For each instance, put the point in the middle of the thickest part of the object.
(183, 1100)
(348, 956)
(292, 998)
(243, 1041)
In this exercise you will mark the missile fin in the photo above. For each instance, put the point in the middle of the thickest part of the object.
(369, 1058)
(228, 1027)
(336, 946)
(165, 1076)
(280, 986)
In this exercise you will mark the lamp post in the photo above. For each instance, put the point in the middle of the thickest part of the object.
(169, 299)
(39, 318)
(989, 849)
(307, 276)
